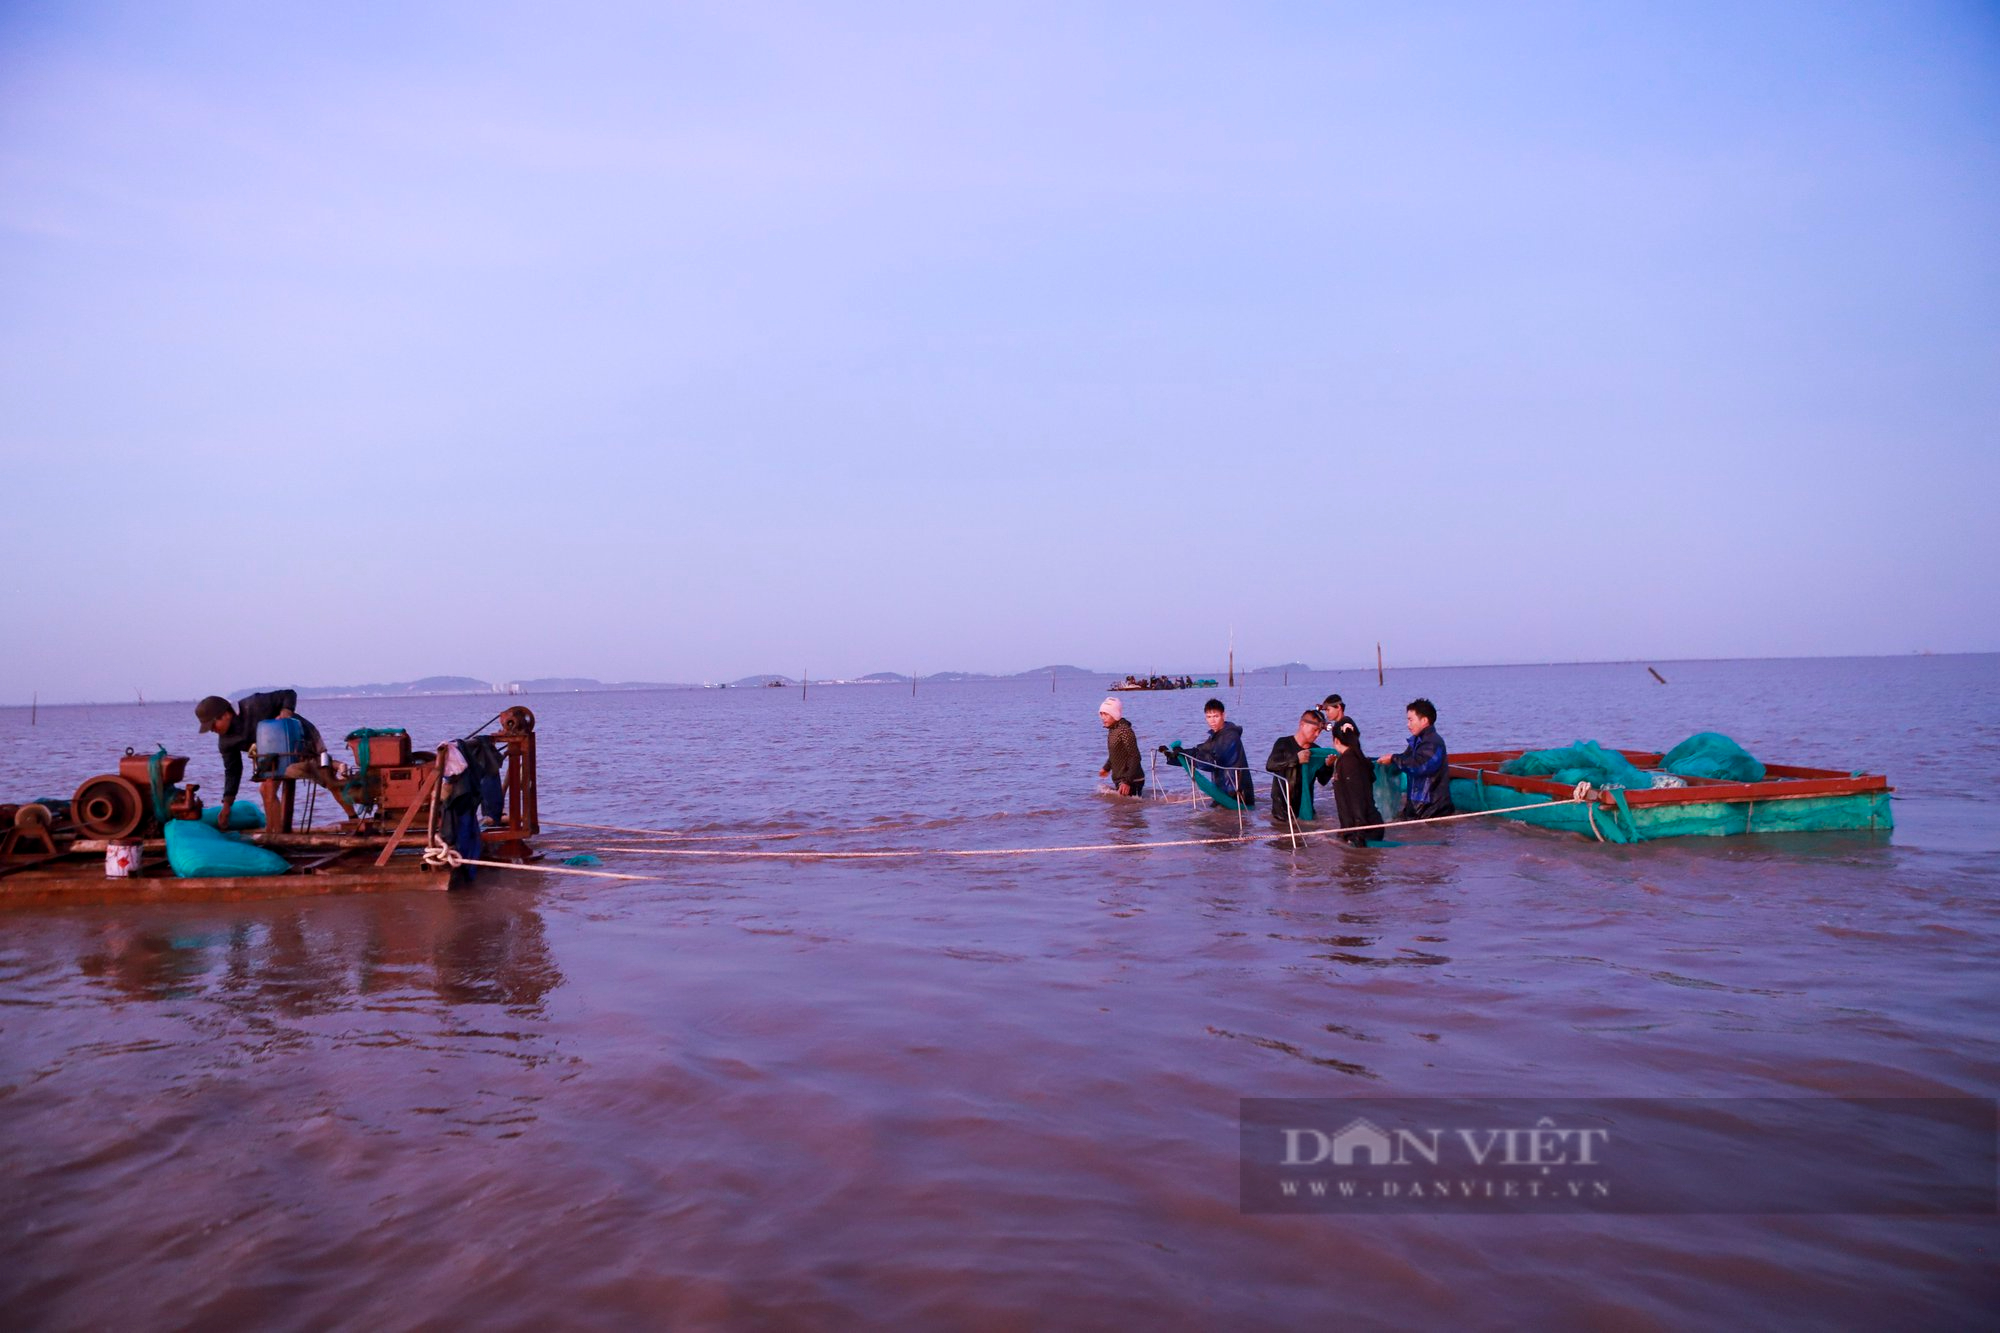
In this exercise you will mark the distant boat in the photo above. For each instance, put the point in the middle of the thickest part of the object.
(1163, 683)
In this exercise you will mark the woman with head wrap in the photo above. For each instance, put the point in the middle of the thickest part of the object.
(1354, 789)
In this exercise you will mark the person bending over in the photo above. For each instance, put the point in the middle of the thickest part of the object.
(235, 726)
(1293, 761)
(1425, 765)
(1122, 764)
(1220, 757)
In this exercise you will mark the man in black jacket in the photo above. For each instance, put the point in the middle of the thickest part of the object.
(1293, 761)
(235, 726)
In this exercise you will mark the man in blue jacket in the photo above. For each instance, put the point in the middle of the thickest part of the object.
(1220, 758)
(1425, 765)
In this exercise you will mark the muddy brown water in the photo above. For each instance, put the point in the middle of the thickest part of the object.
(996, 1093)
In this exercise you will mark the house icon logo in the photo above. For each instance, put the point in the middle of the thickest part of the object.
(1363, 1143)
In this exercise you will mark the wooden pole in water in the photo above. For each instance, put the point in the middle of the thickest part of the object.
(913, 684)
(35, 708)
(1378, 665)
(1052, 682)
(1657, 676)
(803, 682)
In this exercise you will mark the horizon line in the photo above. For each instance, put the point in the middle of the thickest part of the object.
(1011, 675)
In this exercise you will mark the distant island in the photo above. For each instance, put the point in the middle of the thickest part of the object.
(437, 685)
(465, 685)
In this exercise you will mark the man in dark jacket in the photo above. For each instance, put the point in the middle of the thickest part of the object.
(1220, 758)
(1296, 767)
(235, 726)
(1122, 765)
(1425, 765)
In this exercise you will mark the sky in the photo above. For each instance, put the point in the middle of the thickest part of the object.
(362, 342)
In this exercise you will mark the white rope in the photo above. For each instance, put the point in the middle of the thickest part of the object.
(911, 853)
(676, 836)
(438, 857)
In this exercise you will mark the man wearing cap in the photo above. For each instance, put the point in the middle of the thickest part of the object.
(235, 726)
(1123, 765)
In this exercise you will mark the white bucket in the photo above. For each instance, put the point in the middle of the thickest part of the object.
(121, 860)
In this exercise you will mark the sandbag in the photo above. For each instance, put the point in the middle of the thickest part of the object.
(242, 815)
(197, 851)
(1584, 761)
(1710, 754)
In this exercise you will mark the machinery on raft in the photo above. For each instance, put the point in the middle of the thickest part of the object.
(127, 817)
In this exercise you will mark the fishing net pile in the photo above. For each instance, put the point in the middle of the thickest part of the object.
(1583, 761)
(1710, 754)
(1706, 754)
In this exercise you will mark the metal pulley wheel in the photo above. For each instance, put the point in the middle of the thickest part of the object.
(107, 806)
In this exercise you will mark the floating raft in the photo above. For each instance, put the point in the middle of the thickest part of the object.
(321, 864)
(63, 851)
(1788, 800)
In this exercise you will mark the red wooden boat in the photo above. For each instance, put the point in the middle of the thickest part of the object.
(1790, 799)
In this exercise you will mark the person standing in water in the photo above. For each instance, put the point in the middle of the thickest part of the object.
(1354, 788)
(1425, 764)
(1294, 763)
(1220, 757)
(1122, 764)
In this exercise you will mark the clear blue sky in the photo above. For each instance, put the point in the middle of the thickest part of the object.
(361, 342)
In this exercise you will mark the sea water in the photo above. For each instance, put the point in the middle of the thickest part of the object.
(1000, 1091)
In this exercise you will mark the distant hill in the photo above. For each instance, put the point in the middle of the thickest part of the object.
(586, 685)
(463, 685)
(935, 677)
(428, 685)
(1063, 672)
(591, 685)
